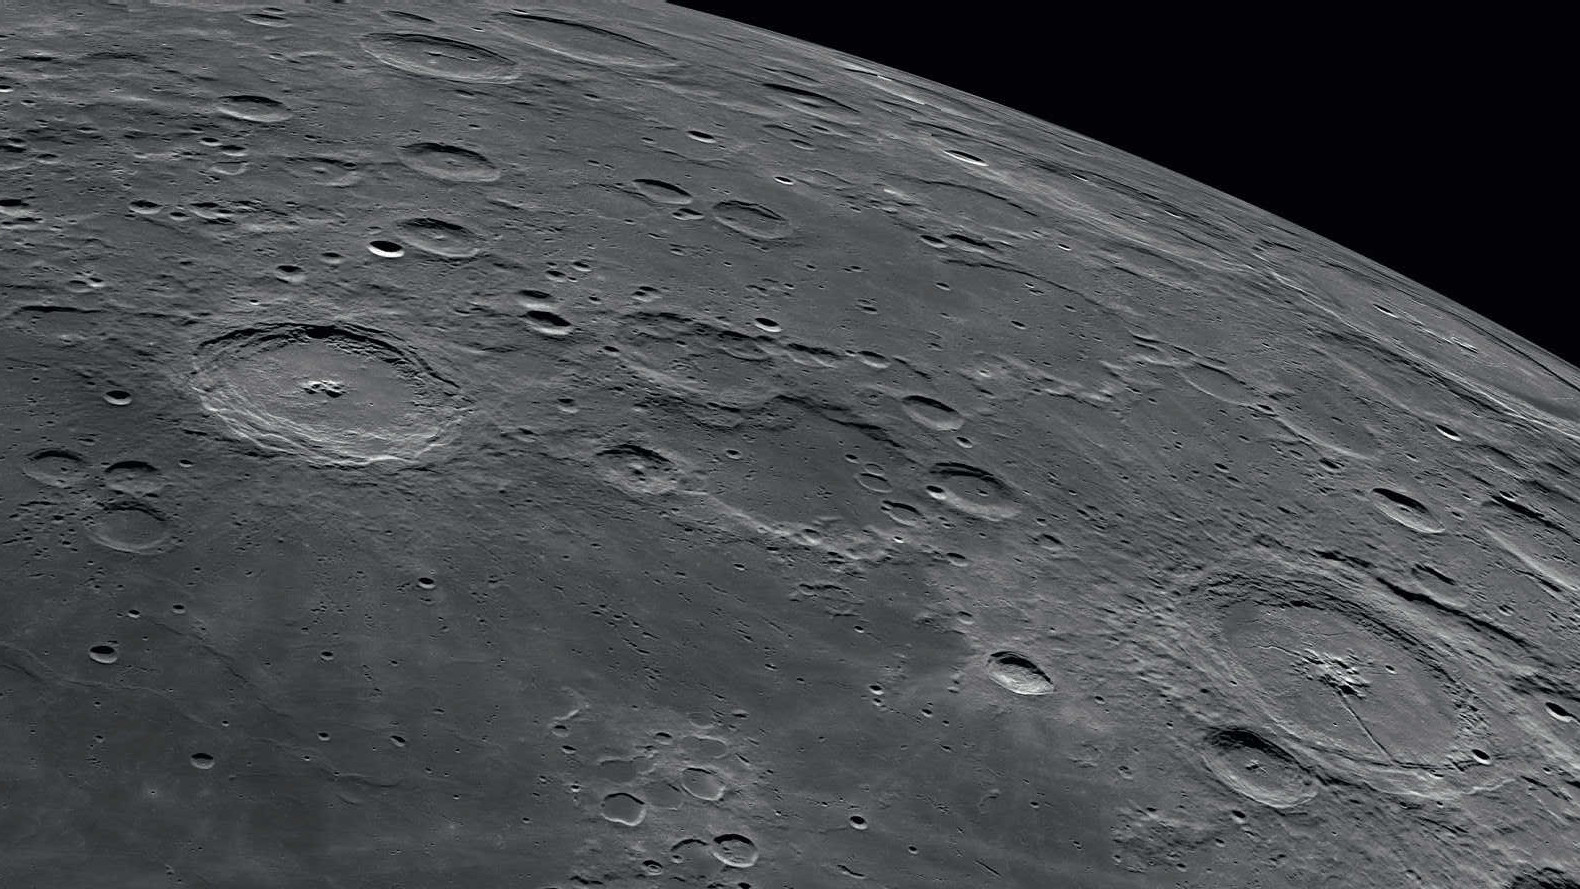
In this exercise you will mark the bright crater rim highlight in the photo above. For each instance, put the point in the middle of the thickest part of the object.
(335, 394)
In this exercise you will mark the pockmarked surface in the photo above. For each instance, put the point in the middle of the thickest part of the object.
(593, 444)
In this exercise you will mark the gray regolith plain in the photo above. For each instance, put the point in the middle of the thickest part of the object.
(600, 445)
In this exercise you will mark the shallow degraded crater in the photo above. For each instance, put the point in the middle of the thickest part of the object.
(806, 100)
(56, 467)
(446, 162)
(702, 783)
(1405, 510)
(972, 490)
(129, 527)
(1257, 768)
(440, 237)
(440, 57)
(581, 41)
(338, 394)
(931, 413)
(752, 220)
(1220, 384)
(330, 171)
(660, 192)
(637, 469)
(254, 109)
(137, 478)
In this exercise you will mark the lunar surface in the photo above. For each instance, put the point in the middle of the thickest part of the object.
(558, 445)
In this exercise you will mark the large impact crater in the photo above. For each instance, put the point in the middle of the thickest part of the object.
(332, 393)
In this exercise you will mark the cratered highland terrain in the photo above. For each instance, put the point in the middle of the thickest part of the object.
(563, 445)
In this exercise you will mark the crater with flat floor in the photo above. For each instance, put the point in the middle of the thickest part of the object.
(1257, 768)
(255, 109)
(660, 192)
(446, 162)
(134, 477)
(339, 394)
(1405, 510)
(56, 467)
(129, 527)
(702, 784)
(623, 809)
(931, 413)
(752, 220)
(440, 57)
(638, 469)
(581, 41)
(972, 490)
(440, 237)
(1341, 680)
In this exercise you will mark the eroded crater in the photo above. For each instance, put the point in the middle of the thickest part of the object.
(1257, 768)
(130, 527)
(638, 469)
(752, 220)
(581, 41)
(56, 467)
(972, 490)
(1405, 510)
(440, 237)
(440, 57)
(446, 162)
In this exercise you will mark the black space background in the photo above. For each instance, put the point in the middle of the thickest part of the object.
(1429, 144)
